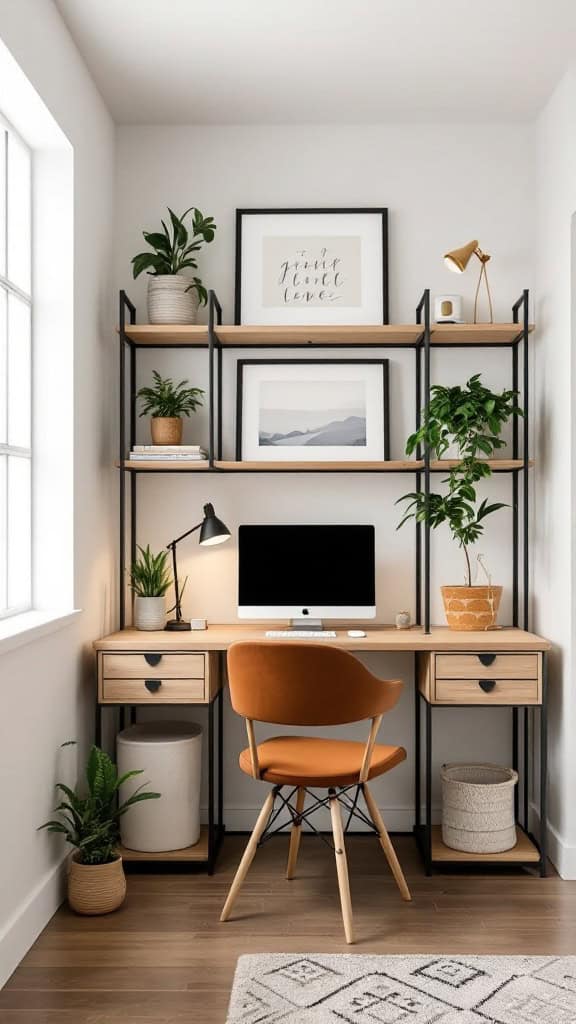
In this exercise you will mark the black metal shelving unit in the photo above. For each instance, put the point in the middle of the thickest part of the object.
(422, 345)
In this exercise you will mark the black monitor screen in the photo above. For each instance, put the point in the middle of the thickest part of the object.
(306, 565)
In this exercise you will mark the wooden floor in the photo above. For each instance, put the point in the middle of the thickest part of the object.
(165, 959)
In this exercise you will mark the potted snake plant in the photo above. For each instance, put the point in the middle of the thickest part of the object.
(468, 420)
(174, 293)
(89, 821)
(149, 580)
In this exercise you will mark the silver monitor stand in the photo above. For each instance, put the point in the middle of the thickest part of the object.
(306, 624)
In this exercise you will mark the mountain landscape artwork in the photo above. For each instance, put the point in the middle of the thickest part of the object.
(312, 413)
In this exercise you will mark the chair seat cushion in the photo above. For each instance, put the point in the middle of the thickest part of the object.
(311, 761)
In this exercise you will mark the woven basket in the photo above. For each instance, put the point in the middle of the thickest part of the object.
(96, 888)
(478, 807)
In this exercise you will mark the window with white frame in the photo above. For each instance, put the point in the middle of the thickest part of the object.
(15, 373)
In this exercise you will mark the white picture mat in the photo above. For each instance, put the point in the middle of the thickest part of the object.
(371, 374)
(367, 226)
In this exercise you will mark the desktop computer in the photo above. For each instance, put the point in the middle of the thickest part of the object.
(306, 573)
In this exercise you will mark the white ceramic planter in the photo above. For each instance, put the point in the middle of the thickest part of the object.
(149, 612)
(169, 302)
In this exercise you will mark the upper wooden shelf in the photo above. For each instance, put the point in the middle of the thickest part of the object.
(393, 335)
(391, 466)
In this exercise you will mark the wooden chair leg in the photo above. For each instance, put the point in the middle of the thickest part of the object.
(341, 867)
(295, 835)
(386, 844)
(248, 856)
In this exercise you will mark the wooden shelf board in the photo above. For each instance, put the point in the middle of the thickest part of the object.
(348, 335)
(164, 466)
(524, 852)
(198, 852)
(496, 465)
(391, 466)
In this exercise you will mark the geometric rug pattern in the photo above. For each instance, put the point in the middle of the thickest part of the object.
(353, 989)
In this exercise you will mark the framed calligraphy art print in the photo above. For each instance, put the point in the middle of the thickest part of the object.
(306, 266)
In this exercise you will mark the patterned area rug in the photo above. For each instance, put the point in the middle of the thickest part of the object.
(352, 989)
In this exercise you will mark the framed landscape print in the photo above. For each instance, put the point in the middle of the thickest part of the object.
(312, 410)
(305, 266)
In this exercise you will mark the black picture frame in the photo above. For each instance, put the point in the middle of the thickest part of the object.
(241, 363)
(380, 211)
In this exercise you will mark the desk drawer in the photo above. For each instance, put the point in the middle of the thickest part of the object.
(502, 666)
(159, 666)
(153, 689)
(503, 691)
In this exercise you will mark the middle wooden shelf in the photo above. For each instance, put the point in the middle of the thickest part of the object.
(389, 466)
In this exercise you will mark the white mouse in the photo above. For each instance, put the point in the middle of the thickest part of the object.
(356, 634)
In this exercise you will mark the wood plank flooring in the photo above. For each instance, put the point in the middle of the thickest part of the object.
(164, 958)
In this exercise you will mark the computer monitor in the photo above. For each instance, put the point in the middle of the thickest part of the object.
(306, 573)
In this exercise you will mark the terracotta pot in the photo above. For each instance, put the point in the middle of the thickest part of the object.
(169, 301)
(166, 429)
(469, 608)
(96, 888)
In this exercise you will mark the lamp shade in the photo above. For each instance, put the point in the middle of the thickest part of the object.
(213, 530)
(457, 260)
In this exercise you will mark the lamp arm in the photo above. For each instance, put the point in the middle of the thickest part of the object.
(183, 535)
(172, 547)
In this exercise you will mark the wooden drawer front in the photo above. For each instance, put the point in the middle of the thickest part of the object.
(135, 691)
(169, 666)
(504, 691)
(504, 666)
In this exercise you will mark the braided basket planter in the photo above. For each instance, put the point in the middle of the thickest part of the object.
(96, 888)
(478, 807)
(469, 608)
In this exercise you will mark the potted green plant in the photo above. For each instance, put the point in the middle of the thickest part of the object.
(168, 402)
(471, 420)
(174, 293)
(90, 824)
(149, 580)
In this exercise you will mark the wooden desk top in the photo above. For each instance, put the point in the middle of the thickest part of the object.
(378, 638)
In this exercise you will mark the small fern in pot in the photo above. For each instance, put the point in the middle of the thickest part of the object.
(174, 292)
(167, 403)
(149, 580)
(90, 823)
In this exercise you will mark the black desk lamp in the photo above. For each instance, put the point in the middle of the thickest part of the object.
(212, 531)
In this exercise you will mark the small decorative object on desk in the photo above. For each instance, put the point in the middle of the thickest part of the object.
(472, 418)
(96, 882)
(173, 293)
(478, 807)
(448, 309)
(168, 402)
(149, 580)
(403, 620)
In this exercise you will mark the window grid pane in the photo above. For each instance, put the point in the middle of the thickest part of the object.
(19, 212)
(3, 239)
(19, 533)
(19, 373)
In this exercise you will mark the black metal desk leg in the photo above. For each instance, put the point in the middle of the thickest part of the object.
(417, 751)
(211, 835)
(515, 757)
(98, 725)
(221, 761)
(544, 768)
(526, 763)
(428, 840)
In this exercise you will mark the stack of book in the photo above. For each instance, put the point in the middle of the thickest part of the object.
(168, 453)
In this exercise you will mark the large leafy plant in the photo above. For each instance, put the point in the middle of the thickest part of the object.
(472, 418)
(169, 399)
(90, 823)
(172, 249)
(150, 576)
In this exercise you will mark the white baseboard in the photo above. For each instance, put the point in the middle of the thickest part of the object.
(25, 925)
(560, 853)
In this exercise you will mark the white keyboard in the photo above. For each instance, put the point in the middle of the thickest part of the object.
(300, 634)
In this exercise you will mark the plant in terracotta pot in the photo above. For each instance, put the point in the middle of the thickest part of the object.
(90, 823)
(149, 580)
(174, 294)
(167, 403)
(470, 419)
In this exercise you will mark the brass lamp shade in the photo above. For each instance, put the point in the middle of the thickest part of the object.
(458, 259)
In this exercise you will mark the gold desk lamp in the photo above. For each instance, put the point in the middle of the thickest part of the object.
(458, 259)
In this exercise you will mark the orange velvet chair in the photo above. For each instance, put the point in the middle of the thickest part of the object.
(308, 684)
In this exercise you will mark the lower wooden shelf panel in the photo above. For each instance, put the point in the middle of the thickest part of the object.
(525, 851)
(198, 852)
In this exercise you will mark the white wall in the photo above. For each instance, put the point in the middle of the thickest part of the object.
(47, 686)
(443, 185)
(554, 576)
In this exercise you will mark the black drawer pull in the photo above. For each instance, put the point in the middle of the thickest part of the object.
(487, 685)
(487, 659)
(153, 685)
(153, 659)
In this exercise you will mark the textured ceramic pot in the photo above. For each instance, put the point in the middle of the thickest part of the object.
(469, 608)
(166, 429)
(96, 888)
(149, 612)
(169, 301)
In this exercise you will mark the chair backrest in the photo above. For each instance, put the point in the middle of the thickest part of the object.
(305, 684)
